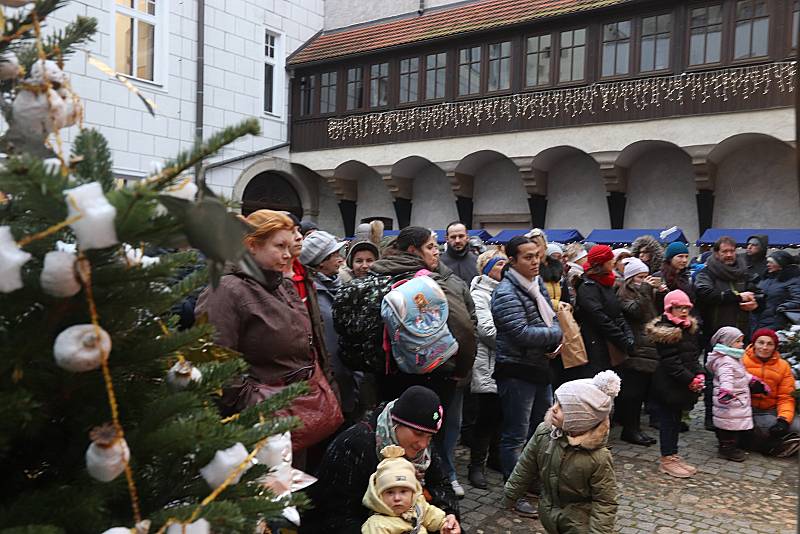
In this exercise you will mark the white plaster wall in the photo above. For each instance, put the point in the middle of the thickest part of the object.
(681, 131)
(374, 200)
(433, 204)
(576, 197)
(330, 218)
(341, 13)
(499, 191)
(661, 192)
(757, 187)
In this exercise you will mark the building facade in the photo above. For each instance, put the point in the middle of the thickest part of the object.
(562, 114)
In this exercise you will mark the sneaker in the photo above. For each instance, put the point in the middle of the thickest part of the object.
(525, 509)
(672, 466)
(457, 489)
(733, 454)
(692, 470)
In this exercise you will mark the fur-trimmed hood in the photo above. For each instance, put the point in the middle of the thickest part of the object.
(596, 438)
(661, 330)
(649, 243)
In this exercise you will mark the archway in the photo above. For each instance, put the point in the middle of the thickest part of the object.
(499, 197)
(271, 190)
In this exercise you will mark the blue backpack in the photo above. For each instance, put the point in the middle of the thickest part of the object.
(415, 315)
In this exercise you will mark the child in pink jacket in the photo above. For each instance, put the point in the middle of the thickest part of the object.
(732, 387)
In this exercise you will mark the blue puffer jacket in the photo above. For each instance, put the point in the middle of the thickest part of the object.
(522, 336)
(781, 292)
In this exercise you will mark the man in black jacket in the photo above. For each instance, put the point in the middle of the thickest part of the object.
(755, 257)
(458, 256)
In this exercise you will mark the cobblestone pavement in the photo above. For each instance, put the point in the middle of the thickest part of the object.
(758, 495)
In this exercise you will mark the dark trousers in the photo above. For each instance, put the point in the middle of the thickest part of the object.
(669, 420)
(728, 438)
(628, 405)
(487, 427)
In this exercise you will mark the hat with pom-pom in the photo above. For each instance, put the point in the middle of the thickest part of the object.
(395, 471)
(587, 402)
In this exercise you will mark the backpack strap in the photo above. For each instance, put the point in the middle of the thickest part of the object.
(418, 526)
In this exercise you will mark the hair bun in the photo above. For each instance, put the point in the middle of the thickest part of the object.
(393, 451)
(608, 382)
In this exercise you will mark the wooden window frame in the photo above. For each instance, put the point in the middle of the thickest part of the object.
(639, 32)
(791, 46)
(724, 35)
(322, 89)
(587, 75)
(388, 77)
(481, 66)
(550, 78)
(632, 42)
(485, 75)
(424, 81)
(348, 83)
(420, 75)
(732, 32)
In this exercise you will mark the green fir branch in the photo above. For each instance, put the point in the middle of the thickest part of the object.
(95, 159)
(60, 44)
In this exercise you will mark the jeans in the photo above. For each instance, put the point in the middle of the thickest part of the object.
(486, 427)
(670, 427)
(524, 406)
(450, 432)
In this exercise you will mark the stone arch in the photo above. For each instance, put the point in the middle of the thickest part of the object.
(427, 187)
(576, 197)
(328, 217)
(756, 183)
(660, 188)
(356, 181)
(306, 191)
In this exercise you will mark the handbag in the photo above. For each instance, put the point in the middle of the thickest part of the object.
(318, 410)
(573, 349)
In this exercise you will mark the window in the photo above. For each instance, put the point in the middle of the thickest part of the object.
(379, 85)
(355, 89)
(705, 30)
(752, 29)
(656, 37)
(572, 55)
(135, 38)
(616, 48)
(327, 92)
(269, 72)
(435, 75)
(795, 22)
(469, 70)
(537, 61)
(409, 80)
(499, 66)
(306, 95)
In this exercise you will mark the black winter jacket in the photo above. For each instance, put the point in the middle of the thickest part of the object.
(639, 308)
(598, 311)
(781, 292)
(678, 352)
(343, 478)
(464, 264)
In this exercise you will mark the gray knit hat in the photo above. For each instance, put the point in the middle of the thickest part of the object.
(586, 403)
(318, 246)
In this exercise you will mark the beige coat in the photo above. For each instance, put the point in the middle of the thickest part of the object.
(385, 522)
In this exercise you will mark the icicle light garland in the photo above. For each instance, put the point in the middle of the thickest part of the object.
(625, 95)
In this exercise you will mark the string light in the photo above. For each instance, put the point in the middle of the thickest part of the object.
(631, 95)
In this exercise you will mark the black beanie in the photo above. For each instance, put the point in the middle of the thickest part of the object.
(782, 258)
(419, 408)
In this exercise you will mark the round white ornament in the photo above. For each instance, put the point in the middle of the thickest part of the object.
(48, 70)
(36, 115)
(276, 451)
(201, 526)
(107, 455)
(79, 349)
(12, 258)
(95, 228)
(224, 463)
(9, 66)
(182, 374)
(58, 277)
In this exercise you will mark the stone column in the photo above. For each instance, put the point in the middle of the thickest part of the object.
(535, 182)
(615, 180)
(463, 186)
(402, 190)
(705, 180)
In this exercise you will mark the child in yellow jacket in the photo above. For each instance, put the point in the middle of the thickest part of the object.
(395, 495)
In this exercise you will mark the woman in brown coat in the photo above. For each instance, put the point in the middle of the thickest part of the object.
(265, 321)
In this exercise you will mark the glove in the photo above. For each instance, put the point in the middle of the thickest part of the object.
(725, 396)
(779, 428)
(758, 386)
(698, 383)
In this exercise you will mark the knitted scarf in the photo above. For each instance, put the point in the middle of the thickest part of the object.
(385, 435)
(604, 279)
(532, 287)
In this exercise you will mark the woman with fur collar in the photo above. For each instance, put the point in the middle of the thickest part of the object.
(649, 250)
(568, 456)
(678, 378)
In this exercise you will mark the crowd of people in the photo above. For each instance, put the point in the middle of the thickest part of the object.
(479, 351)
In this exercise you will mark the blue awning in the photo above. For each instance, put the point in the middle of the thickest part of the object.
(441, 235)
(627, 236)
(786, 237)
(559, 236)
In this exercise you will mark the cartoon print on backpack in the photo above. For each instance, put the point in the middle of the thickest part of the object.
(429, 316)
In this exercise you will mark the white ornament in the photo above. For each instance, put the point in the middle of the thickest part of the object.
(185, 189)
(142, 527)
(108, 454)
(58, 277)
(36, 115)
(118, 530)
(9, 66)
(52, 165)
(95, 228)
(201, 526)
(73, 109)
(276, 451)
(46, 70)
(223, 464)
(136, 256)
(79, 349)
(66, 247)
(182, 374)
(12, 258)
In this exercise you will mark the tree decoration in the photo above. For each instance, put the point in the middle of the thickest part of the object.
(9, 66)
(81, 348)
(108, 454)
(59, 278)
(182, 374)
(224, 464)
(95, 228)
(719, 85)
(12, 258)
(201, 526)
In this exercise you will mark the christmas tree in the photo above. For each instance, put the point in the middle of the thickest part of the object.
(108, 415)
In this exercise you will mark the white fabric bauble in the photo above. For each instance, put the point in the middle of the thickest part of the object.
(47, 69)
(58, 277)
(223, 464)
(118, 530)
(201, 526)
(182, 374)
(12, 258)
(38, 115)
(105, 463)
(276, 451)
(78, 348)
(73, 109)
(95, 228)
(9, 66)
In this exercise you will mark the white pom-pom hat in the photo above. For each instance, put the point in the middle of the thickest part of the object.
(586, 403)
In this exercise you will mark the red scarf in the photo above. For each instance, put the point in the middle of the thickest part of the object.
(299, 279)
(604, 279)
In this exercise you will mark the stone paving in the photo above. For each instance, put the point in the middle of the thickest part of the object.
(758, 495)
